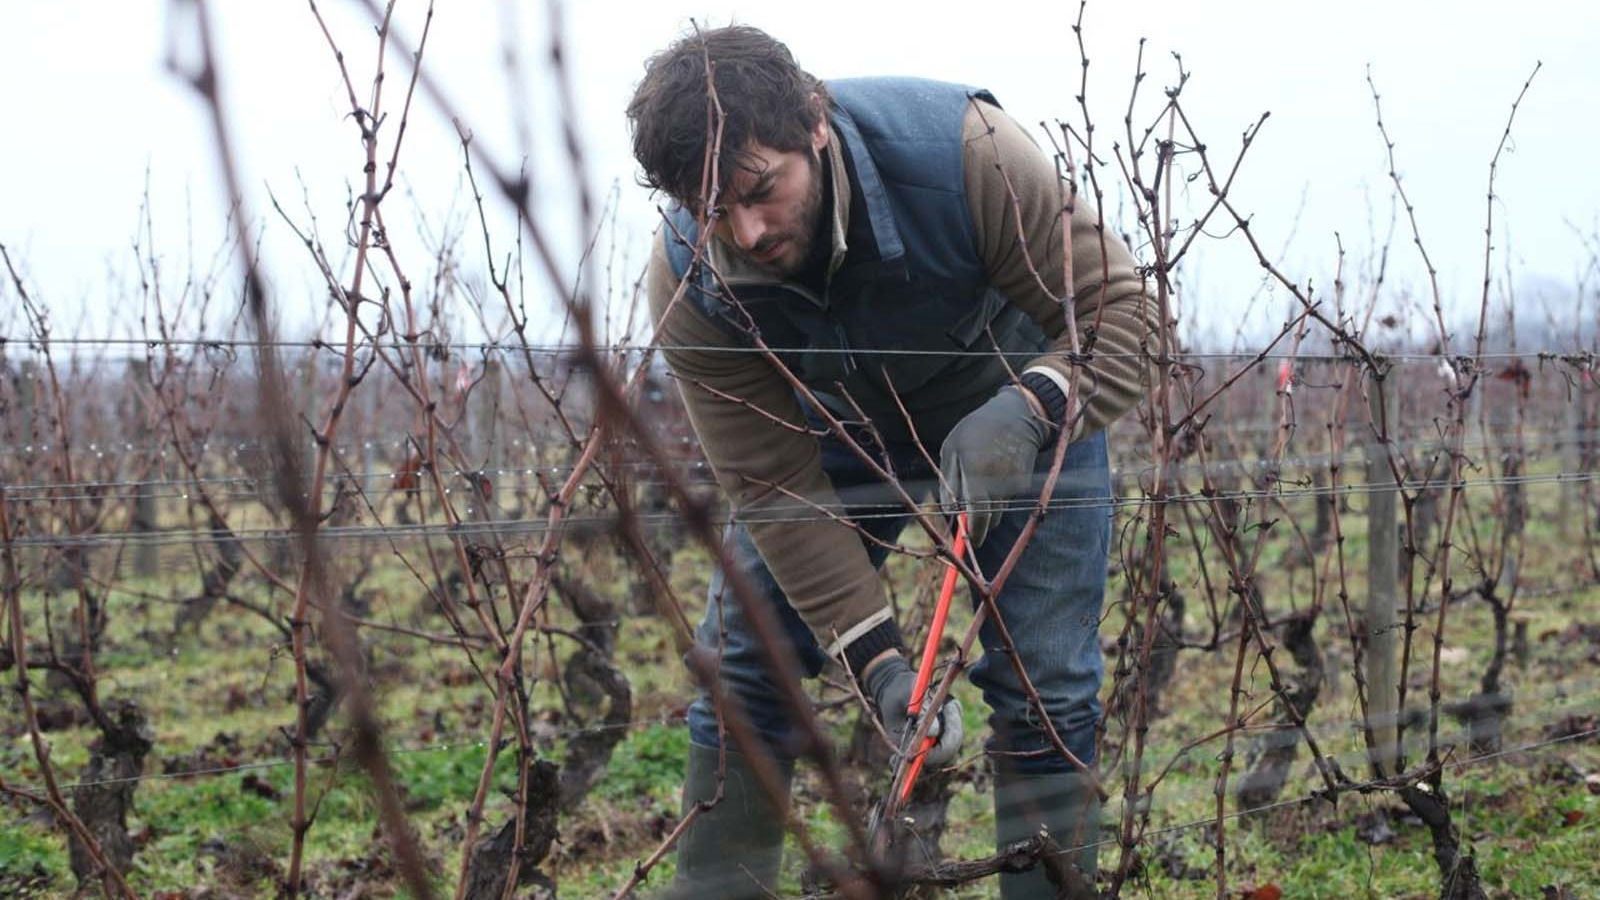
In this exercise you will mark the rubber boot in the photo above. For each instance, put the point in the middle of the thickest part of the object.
(1061, 803)
(733, 849)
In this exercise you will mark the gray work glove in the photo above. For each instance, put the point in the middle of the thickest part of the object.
(988, 459)
(889, 685)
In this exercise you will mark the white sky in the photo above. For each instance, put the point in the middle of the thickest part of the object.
(90, 108)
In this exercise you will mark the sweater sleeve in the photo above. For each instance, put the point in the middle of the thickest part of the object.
(1010, 180)
(753, 434)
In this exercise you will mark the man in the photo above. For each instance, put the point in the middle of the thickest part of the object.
(866, 232)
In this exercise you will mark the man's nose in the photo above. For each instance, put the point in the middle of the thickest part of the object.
(746, 226)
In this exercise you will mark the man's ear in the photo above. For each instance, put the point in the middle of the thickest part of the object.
(820, 132)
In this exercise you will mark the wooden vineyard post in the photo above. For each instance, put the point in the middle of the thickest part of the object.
(1574, 457)
(371, 430)
(146, 555)
(486, 413)
(1383, 559)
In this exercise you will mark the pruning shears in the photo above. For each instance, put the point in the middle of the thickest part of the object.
(900, 792)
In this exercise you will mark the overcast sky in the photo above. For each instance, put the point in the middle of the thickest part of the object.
(90, 108)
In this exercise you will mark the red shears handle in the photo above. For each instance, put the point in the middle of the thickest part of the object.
(930, 655)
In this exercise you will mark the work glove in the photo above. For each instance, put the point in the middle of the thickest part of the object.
(988, 459)
(889, 685)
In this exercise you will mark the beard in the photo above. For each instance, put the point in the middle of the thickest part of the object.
(804, 237)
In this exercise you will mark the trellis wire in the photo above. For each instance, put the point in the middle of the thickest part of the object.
(99, 489)
(457, 743)
(1576, 357)
(537, 526)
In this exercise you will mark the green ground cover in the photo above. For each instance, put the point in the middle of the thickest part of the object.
(220, 696)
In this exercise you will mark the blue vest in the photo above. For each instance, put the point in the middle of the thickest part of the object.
(910, 281)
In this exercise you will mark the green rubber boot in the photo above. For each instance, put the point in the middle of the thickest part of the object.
(1062, 803)
(733, 849)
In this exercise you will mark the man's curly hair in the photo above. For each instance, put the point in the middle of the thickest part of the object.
(765, 97)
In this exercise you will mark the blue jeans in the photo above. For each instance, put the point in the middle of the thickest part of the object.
(1050, 603)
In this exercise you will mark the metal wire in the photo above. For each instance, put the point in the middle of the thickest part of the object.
(1467, 763)
(1579, 357)
(180, 487)
(462, 743)
(164, 447)
(772, 514)
(456, 743)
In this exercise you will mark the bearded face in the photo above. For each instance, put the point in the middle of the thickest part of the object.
(773, 205)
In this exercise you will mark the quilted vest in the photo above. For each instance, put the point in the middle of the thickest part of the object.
(908, 312)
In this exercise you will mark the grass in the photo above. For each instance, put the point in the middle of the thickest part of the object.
(1528, 817)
